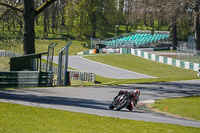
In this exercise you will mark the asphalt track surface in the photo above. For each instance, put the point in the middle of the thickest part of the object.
(83, 64)
(95, 100)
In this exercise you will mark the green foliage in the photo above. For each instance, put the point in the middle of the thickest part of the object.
(186, 107)
(91, 18)
(24, 119)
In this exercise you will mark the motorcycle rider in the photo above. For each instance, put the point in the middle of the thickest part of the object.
(134, 98)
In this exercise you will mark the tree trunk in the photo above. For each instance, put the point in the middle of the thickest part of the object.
(13, 26)
(62, 20)
(197, 30)
(3, 27)
(29, 31)
(45, 35)
(131, 28)
(127, 28)
(53, 17)
(158, 26)
(93, 24)
(36, 18)
(20, 22)
(45, 24)
(8, 25)
(152, 25)
(174, 35)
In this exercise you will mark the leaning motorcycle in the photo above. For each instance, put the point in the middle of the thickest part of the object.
(122, 101)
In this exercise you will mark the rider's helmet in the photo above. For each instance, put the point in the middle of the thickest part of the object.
(198, 72)
(137, 92)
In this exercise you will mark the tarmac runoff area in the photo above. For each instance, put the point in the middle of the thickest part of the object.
(107, 71)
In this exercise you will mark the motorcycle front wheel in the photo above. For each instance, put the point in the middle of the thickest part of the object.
(122, 104)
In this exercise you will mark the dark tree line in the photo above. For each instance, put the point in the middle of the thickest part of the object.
(98, 18)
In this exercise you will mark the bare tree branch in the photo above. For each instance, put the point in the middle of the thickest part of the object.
(12, 7)
(4, 13)
(43, 6)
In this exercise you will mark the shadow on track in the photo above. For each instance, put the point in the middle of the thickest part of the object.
(84, 103)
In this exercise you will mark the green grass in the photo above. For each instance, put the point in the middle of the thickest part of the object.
(12, 45)
(166, 51)
(4, 63)
(42, 46)
(186, 107)
(140, 65)
(76, 46)
(24, 119)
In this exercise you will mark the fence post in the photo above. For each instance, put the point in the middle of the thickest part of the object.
(66, 79)
(60, 65)
(59, 69)
(50, 53)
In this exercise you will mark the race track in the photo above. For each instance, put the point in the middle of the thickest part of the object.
(95, 100)
(85, 65)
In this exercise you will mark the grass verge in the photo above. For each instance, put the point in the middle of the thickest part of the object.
(186, 106)
(163, 72)
(42, 46)
(76, 46)
(23, 119)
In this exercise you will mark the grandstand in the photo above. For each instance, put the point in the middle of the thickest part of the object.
(138, 39)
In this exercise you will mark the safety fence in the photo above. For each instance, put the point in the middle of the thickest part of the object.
(182, 53)
(82, 76)
(76, 77)
(26, 79)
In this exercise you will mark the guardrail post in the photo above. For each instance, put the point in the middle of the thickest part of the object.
(60, 66)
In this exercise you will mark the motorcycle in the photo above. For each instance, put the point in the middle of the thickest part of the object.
(123, 101)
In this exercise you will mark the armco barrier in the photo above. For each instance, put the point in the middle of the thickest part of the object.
(166, 60)
(26, 79)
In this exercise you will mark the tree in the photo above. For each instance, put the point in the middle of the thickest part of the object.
(171, 11)
(29, 13)
(194, 5)
(91, 18)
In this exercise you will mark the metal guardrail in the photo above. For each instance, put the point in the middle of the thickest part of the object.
(26, 79)
(4, 53)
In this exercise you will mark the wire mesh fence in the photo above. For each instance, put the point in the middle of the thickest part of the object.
(50, 57)
(76, 77)
(187, 52)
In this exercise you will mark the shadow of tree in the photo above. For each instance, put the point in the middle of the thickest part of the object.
(78, 102)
